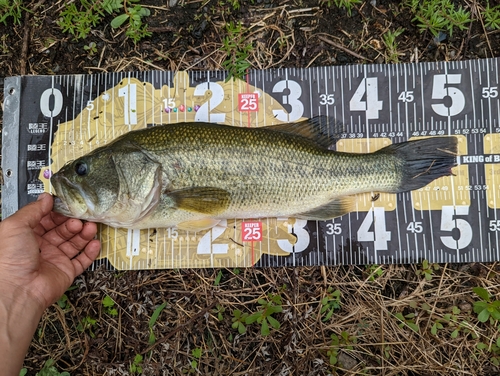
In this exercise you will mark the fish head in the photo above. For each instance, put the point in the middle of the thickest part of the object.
(115, 186)
(86, 188)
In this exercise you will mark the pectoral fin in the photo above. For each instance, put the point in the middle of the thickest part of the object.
(204, 200)
(335, 208)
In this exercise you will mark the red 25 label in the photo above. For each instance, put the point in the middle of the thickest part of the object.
(248, 102)
(251, 231)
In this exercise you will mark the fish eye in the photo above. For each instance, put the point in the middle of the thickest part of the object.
(81, 168)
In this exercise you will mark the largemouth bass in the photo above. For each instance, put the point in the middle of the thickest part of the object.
(192, 175)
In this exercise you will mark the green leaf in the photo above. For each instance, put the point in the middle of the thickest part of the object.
(274, 323)
(481, 346)
(218, 278)
(333, 359)
(454, 334)
(434, 329)
(152, 337)
(156, 314)
(23, 372)
(108, 302)
(144, 12)
(264, 330)
(252, 318)
(484, 315)
(480, 306)
(495, 314)
(455, 310)
(482, 293)
(119, 20)
(196, 353)
(241, 328)
(413, 326)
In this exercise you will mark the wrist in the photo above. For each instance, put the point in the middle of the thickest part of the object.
(20, 314)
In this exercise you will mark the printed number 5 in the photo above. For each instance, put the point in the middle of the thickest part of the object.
(441, 89)
(448, 223)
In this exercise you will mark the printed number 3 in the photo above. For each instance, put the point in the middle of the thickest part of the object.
(291, 99)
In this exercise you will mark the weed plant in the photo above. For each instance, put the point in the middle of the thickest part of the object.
(237, 50)
(491, 17)
(439, 16)
(79, 20)
(10, 8)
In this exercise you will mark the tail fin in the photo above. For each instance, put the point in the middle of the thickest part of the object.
(424, 160)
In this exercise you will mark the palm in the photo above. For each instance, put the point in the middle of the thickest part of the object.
(44, 256)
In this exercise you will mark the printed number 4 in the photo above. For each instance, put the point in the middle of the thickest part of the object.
(371, 105)
(380, 236)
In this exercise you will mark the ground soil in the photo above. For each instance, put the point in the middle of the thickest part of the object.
(189, 36)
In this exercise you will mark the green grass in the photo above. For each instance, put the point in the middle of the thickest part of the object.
(11, 8)
(438, 16)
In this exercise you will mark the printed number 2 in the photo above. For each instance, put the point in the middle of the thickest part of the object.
(448, 223)
(206, 245)
(204, 113)
(371, 105)
(380, 236)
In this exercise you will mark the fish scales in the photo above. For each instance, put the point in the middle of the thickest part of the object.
(187, 172)
(263, 171)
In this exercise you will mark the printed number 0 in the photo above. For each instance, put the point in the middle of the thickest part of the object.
(45, 102)
(448, 223)
(441, 89)
(292, 99)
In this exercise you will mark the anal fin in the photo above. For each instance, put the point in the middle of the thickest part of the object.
(198, 224)
(335, 208)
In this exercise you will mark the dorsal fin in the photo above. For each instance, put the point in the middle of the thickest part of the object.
(323, 130)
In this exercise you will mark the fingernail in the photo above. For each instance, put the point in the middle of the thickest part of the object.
(40, 196)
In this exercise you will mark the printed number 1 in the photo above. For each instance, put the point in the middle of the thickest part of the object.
(129, 92)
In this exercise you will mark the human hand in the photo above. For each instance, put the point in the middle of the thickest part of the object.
(41, 252)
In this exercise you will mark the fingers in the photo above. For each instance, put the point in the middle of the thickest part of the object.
(64, 232)
(87, 257)
(32, 213)
(50, 221)
(71, 240)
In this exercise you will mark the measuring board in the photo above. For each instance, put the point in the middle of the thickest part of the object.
(49, 120)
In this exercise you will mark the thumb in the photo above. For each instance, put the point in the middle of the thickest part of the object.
(33, 213)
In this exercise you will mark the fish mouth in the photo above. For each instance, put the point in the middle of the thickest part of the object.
(67, 191)
(61, 207)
